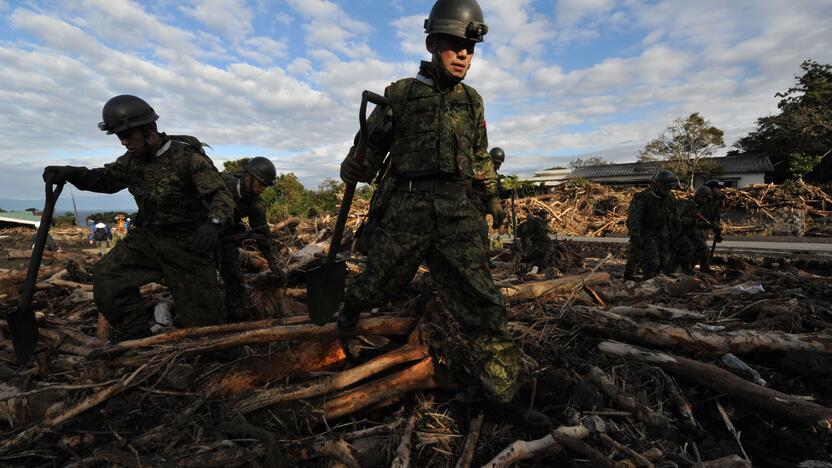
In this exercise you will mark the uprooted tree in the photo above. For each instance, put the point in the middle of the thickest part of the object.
(684, 145)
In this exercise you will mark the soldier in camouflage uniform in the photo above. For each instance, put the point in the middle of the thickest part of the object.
(713, 209)
(535, 242)
(434, 130)
(183, 205)
(481, 196)
(259, 173)
(651, 220)
(690, 247)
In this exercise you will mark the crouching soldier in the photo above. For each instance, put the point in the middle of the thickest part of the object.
(183, 206)
(691, 245)
(651, 220)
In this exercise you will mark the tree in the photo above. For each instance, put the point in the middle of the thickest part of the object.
(590, 161)
(799, 136)
(683, 146)
(236, 166)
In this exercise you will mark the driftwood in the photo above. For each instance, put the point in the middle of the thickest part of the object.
(264, 398)
(655, 312)
(523, 450)
(578, 446)
(691, 339)
(786, 406)
(470, 444)
(626, 401)
(402, 459)
(529, 291)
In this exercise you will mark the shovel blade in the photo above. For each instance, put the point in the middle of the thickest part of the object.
(325, 290)
(24, 331)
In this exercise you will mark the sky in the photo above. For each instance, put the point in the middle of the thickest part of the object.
(283, 78)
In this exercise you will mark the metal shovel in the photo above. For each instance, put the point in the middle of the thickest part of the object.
(325, 283)
(22, 323)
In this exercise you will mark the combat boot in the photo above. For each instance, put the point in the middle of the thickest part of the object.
(348, 317)
(520, 416)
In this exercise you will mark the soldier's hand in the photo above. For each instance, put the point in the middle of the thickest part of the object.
(278, 272)
(718, 237)
(207, 237)
(497, 213)
(352, 170)
(61, 174)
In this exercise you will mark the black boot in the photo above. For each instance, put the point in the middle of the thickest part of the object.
(348, 317)
(520, 416)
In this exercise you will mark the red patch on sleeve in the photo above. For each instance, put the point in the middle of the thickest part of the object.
(483, 123)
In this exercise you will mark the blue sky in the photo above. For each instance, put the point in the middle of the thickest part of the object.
(282, 78)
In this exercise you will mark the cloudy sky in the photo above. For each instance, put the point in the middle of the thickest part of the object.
(282, 78)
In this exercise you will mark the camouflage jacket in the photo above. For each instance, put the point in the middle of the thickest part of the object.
(649, 213)
(430, 132)
(712, 212)
(533, 230)
(177, 187)
(247, 206)
(689, 219)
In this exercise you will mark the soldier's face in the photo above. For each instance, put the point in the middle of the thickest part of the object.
(133, 140)
(254, 186)
(455, 54)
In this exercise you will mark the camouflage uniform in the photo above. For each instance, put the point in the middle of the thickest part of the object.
(438, 144)
(651, 220)
(480, 197)
(690, 247)
(177, 189)
(534, 239)
(247, 206)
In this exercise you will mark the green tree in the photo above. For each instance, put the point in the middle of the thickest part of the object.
(683, 145)
(236, 166)
(801, 133)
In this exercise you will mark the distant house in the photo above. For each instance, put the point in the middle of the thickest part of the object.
(550, 177)
(19, 218)
(735, 171)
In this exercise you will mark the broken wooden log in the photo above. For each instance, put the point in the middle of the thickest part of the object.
(786, 406)
(690, 339)
(529, 291)
(470, 444)
(578, 446)
(626, 401)
(402, 459)
(656, 312)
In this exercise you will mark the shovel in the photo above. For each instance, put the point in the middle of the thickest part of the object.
(325, 283)
(22, 323)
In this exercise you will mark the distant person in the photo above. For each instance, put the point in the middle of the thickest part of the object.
(483, 199)
(91, 234)
(183, 206)
(713, 210)
(690, 247)
(533, 234)
(127, 224)
(651, 221)
(102, 236)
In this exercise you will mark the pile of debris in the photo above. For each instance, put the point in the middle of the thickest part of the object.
(596, 210)
(676, 371)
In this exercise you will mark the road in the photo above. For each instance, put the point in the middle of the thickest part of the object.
(749, 247)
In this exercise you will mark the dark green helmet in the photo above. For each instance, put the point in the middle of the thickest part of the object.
(497, 155)
(262, 169)
(459, 18)
(713, 183)
(702, 192)
(667, 178)
(124, 112)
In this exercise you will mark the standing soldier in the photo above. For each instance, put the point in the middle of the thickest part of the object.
(259, 173)
(713, 210)
(482, 196)
(651, 219)
(434, 131)
(535, 242)
(182, 207)
(691, 245)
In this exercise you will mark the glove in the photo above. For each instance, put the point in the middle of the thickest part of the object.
(352, 170)
(61, 174)
(277, 271)
(207, 237)
(718, 237)
(636, 239)
(497, 213)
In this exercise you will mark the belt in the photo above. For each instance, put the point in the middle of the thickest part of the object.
(437, 187)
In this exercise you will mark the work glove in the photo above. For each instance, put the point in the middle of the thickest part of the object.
(718, 237)
(497, 213)
(61, 174)
(636, 239)
(207, 237)
(277, 271)
(352, 170)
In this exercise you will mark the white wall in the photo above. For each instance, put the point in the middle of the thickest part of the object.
(750, 179)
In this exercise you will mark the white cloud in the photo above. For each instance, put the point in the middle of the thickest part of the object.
(329, 27)
(264, 50)
(570, 12)
(231, 18)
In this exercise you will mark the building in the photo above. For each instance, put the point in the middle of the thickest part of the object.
(550, 177)
(734, 171)
(19, 218)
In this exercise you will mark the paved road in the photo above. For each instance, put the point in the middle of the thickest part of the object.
(815, 249)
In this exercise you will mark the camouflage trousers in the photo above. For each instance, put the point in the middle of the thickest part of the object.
(146, 256)
(231, 271)
(445, 232)
(690, 249)
(652, 254)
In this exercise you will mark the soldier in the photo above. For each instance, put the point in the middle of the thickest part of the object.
(259, 173)
(482, 196)
(691, 245)
(434, 130)
(183, 205)
(534, 238)
(712, 211)
(651, 219)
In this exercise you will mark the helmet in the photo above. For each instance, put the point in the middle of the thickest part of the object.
(702, 192)
(125, 112)
(497, 155)
(666, 177)
(459, 18)
(262, 169)
(713, 183)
